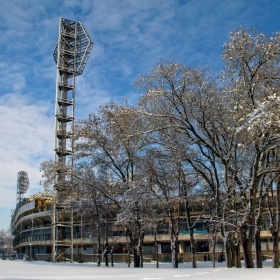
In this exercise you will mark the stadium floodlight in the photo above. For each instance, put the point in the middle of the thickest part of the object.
(22, 184)
(71, 55)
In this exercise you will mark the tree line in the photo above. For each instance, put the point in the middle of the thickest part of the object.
(192, 136)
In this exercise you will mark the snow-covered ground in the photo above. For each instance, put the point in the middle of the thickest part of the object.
(10, 270)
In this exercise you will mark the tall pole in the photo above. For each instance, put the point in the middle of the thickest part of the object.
(71, 55)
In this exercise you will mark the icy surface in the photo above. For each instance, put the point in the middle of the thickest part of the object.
(65, 271)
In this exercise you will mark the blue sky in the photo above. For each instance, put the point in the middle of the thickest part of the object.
(129, 37)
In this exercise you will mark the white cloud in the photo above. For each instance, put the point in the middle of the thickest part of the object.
(26, 140)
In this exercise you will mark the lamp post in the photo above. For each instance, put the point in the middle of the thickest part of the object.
(18, 243)
(30, 254)
(20, 239)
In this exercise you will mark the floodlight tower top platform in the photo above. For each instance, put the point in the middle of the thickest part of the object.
(22, 184)
(80, 46)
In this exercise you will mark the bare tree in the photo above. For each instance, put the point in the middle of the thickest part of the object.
(6, 242)
(111, 143)
(252, 71)
(135, 216)
(93, 204)
(187, 104)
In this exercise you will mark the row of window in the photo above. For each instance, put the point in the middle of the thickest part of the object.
(42, 237)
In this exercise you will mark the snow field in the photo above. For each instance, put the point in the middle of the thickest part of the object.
(13, 270)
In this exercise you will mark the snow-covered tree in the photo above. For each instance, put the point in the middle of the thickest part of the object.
(252, 75)
(186, 106)
(6, 242)
(111, 143)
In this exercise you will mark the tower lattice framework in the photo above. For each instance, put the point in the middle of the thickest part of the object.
(71, 55)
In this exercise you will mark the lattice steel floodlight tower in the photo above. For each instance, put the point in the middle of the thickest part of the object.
(22, 184)
(71, 55)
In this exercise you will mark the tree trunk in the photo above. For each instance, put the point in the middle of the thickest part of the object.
(173, 231)
(213, 244)
(106, 259)
(174, 251)
(98, 257)
(237, 256)
(99, 246)
(214, 257)
(258, 248)
(140, 247)
(232, 247)
(228, 254)
(192, 240)
(112, 257)
(232, 251)
(275, 231)
(156, 251)
(247, 253)
(275, 250)
(140, 253)
(193, 251)
(128, 259)
(136, 255)
(141, 259)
